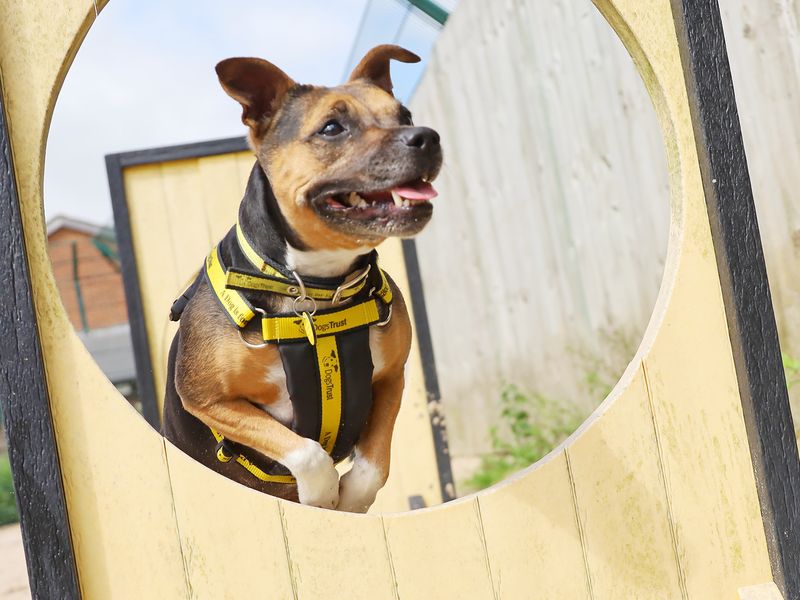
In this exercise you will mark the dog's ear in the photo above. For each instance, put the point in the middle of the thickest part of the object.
(374, 67)
(256, 84)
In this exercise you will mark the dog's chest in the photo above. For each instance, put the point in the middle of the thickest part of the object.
(275, 399)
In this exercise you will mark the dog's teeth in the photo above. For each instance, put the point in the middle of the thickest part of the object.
(406, 203)
(426, 179)
(362, 203)
(398, 200)
(353, 199)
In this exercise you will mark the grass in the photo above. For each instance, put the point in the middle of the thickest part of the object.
(532, 424)
(8, 504)
(535, 425)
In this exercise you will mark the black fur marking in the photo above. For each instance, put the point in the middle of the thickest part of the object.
(290, 118)
(262, 220)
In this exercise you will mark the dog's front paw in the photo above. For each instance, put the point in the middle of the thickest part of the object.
(359, 486)
(317, 478)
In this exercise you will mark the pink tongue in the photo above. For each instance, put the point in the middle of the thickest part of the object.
(417, 191)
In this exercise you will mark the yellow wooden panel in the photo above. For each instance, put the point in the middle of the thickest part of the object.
(687, 352)
(232, 536)
(337, 555)
(112, 462)
(532, 536)
(439, 552)
(190, 233)
(116, 484)
(115, 477)
(695, 394)
(413, 470)
(622, 501)
(244, 163)
(156, 266)
(765, 591)
(222, 188)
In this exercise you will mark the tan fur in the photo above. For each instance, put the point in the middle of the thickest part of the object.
(295, 169)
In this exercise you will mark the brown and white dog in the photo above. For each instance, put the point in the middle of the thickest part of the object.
(338, 170)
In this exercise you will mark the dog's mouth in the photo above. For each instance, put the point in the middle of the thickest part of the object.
(397, 201)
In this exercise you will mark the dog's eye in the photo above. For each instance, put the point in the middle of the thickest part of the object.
(331, 128)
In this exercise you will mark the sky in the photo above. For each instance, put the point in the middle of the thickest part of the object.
(144, 77)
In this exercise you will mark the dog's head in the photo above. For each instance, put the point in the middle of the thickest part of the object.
(347, 165)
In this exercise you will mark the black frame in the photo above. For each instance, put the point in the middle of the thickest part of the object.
(115, 165)
(25, 401)
(745, 289)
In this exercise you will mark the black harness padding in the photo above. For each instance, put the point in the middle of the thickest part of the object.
(303, 381)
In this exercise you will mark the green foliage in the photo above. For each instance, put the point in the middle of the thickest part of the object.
(792, 368)
(8, 505)
(533, 425)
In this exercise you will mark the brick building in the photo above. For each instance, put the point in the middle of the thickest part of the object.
(87, 273)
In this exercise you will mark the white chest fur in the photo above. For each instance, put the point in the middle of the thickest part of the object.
(322, 263)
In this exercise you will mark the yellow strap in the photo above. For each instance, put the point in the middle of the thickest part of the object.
(330, 382)
(253, 256)
(286, 287)
(242, 280)
(232, 301)
(242, 460)
(288, 328)
(385, 291)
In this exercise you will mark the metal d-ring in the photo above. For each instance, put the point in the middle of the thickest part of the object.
(337, 296)
(249, 344)
(301, 299)
(301, 284)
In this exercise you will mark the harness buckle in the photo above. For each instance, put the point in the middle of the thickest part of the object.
(337, 296)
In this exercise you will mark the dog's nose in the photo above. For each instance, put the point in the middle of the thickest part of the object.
(423, 138)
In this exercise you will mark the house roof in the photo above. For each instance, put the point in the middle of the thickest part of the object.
(64, 222)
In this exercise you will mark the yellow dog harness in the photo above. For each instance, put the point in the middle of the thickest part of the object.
(325, 353)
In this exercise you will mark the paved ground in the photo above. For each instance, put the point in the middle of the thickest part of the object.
(13, 576)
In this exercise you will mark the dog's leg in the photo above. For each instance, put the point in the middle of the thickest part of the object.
(240, 421)
(370, 469)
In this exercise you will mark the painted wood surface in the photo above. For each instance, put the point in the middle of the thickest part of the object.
(667, 452)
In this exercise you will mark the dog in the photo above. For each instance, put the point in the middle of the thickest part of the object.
(292, 342)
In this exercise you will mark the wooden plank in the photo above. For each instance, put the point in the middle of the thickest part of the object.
(623, 501)
(532, 536)
(151, 233)
(337, 554)
(743, 281)
(439, 552)
(414, 469)
(720, 535)
(232, 536)
(190, 232)
(222, 188)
